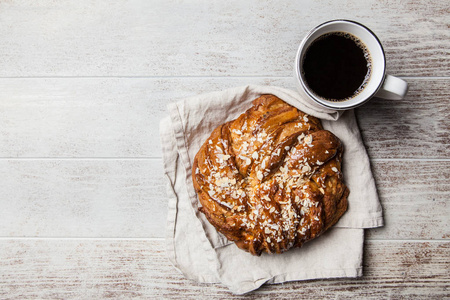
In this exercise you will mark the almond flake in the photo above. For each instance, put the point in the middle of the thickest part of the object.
(306, 168)
(301, 137)
(259, 175)
(255, 155)
(308, 139)
(263, 165)
(291, 214)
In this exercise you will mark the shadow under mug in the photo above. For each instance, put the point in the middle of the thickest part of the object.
(379, 84)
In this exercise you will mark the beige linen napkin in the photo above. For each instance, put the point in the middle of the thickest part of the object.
(202, 254)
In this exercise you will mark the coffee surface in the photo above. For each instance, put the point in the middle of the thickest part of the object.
(336, 66)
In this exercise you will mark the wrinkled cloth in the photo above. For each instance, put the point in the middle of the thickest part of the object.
(203, 254)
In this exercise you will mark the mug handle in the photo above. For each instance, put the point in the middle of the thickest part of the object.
(393, 88)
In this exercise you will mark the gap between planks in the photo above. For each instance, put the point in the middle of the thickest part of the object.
(191, 76)
(161, 239)
(159, 158)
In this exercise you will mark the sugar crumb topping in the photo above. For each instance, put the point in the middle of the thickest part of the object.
(293, 207)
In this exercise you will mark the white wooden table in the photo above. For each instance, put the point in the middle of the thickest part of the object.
(84, 84)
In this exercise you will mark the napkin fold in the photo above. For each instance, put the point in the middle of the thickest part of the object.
(201, 253)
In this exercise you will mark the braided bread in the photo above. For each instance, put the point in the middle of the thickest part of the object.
(271, 179)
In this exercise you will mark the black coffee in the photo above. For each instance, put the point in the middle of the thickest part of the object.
(336, 66)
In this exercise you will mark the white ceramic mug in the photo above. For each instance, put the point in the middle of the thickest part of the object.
(379, 84)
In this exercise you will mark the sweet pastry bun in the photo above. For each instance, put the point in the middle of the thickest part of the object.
(271, 179)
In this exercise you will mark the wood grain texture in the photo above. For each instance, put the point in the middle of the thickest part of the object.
(196, 38)
(119, 117)
(82, 198)
(415, 127)
(414, 196)
(84, 84)
(95, 117)
(88, 269)
(126, 198)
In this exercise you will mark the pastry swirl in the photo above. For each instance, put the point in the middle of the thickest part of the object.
(271, 179)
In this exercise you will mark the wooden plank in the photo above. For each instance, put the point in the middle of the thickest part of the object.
(414, 196)
(95, 117)
(127, 198)
(74, 269)
(232, 38)
(416, 127)
(119, 117)
(82, 198)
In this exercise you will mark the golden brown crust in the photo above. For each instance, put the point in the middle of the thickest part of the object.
(271, 179)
